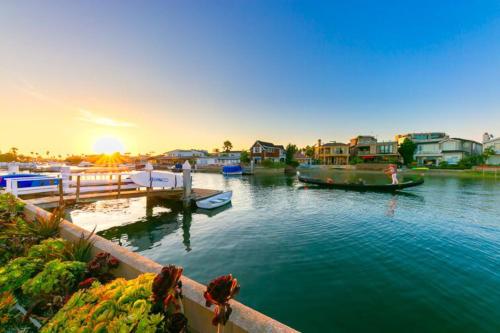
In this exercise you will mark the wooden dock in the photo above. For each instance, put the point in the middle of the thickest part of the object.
(170, 194)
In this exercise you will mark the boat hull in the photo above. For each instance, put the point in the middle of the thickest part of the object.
(362, 187)
(215, 201)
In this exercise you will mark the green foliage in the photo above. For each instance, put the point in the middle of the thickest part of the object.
(406, 150)
(81, 249)
(10, 317)
(290, 150)
(119, 306)
(58, 278)
(308, 151)
(245, 157)
(16, 272)
(46, 226)
(353, 160)
(10, 208)
(487, 153)
(8, 157)
(49, 249)
(272, 164)
(294, 164)
(74, 159)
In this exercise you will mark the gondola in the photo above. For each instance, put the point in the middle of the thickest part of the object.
(362, 187)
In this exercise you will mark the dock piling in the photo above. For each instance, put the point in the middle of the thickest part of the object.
(186, 181)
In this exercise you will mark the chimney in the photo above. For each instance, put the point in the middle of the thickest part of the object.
(319, 143)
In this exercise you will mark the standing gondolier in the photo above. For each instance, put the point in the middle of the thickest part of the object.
(392, 171)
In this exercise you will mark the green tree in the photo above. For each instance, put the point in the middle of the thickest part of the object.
(245, 157)
(227, 146)
(407, 149)
(290, 150)
(487, 153)
(308, 151)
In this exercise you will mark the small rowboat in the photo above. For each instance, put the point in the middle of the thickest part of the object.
(363, 187)
(215, 201)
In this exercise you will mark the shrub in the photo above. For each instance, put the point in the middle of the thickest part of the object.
(49, 249)
(100, 266)
(46, 226)
(17, 272)
(119, 306)
(9, 316)
(10, 207)
(81, 249)
(58, 278)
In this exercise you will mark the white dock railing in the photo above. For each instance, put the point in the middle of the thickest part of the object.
(12, 185)
(73, 184)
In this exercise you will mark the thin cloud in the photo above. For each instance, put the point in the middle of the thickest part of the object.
(92, 118)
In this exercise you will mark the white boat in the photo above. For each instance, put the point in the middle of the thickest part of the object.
(157, 179)
(215, 201)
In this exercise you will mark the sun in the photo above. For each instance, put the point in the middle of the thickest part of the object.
(108, 145)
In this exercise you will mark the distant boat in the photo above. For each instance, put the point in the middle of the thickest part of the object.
(215, 201)
(361, 186)
(41, 180)
(157, 179)
(228, 170)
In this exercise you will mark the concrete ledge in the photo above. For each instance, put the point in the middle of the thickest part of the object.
(243, 318)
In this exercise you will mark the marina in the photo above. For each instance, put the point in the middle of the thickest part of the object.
(388, 256)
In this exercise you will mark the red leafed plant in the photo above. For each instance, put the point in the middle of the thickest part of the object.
(100, 266)
(167, 294)
(218, 293)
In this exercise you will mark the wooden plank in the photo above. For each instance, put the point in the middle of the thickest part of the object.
(170, 194)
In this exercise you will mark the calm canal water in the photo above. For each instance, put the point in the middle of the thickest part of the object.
(330, 260)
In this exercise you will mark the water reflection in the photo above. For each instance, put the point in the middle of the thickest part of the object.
(147, 231)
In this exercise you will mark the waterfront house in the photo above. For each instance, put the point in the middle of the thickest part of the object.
(331, 153)
(219, 159)
(188, 154)
(490, 141)
(428, 150)
(262, 150)
(370, 149)
(455, 149)
(302, 158)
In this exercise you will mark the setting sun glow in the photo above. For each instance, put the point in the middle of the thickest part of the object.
(108, 145)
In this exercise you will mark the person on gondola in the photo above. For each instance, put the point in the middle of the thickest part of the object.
(392, 171)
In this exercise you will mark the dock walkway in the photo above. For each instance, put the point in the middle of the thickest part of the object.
(175, 194)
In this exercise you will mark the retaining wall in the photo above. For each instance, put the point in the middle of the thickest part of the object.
(243, 318)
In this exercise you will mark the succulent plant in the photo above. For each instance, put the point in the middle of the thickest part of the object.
(219, 292)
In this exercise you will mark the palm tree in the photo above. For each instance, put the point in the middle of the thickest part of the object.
(227, 146)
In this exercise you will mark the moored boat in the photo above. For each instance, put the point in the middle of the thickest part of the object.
(215, 201)
(362, 186)
(229, 170)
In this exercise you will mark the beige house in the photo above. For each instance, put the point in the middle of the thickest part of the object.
(331, 153)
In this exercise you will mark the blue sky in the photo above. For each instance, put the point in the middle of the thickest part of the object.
(194, 73)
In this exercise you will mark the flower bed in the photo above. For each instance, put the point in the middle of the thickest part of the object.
(55, 282)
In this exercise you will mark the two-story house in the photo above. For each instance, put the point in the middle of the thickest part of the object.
(371, 150)
(262, 150)
(455, 149)
(331, 153)
(428, 149)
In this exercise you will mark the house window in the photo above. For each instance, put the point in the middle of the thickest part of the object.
(257, 149)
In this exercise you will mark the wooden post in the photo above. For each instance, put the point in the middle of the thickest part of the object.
(119, 184)
(77, 188)
(186, 183)
(61, 192)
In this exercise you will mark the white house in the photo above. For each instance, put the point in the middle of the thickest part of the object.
(186, 153)
(490, 141)
(225, 158)
(455, 149)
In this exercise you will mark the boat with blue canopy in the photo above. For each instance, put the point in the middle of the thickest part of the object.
(228, 170)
